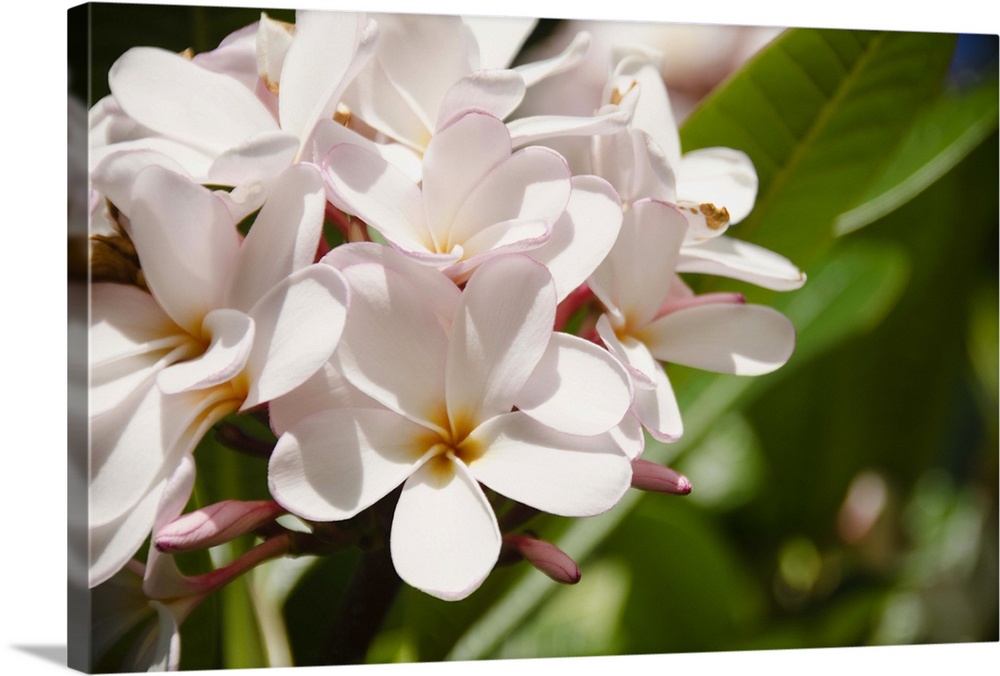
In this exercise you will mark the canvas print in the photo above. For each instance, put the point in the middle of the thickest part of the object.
(414, 338)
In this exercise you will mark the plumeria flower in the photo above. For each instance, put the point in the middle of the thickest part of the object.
(491, 396)
(225, 325)
(653, 317)
(712, 187)
(427, 69)
(473, 206)
(202, 117)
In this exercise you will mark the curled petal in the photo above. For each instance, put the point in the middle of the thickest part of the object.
(497, 92)
(736, 259)
(721, 176)
(232, 337)
(299, 323)
(658, 411)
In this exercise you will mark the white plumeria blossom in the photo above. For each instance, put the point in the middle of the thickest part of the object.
(426, 69)
(712, 187)
(203, 115)
(653, 317)
(227, 325)
(483, 394)
(473, 206)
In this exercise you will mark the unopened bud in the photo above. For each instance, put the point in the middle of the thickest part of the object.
(546, 557)
(215, 524)
(648, 476)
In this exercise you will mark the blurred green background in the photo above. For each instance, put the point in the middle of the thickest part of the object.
(849, 498)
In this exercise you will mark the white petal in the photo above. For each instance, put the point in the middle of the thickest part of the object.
(497, 92)
(337, 462)
(657, 409)
(441, 295)
(653, 113)
(360, 182)
(284, 236)
(632, 353)
(236, 56)
(499, 38)
(577, 388)
(507, 236)
(451, 172)
(112, 544)
(259, 158)
(299, 323)
(127, 321)
(500, 332)
(393, 349)
(115, 174)
(232, 336)
(536, 71)
(140, 443)
(583, 235)
(629, 437)
(177, 98)
(635, 277)
(720, 176)
(162, 579)
(423, 56)
(725, 338)
(271, 47)
(327, 51)
(445, 539)
(131, 339)
(116, 184)
(736, 259)
(379, 103)
(532, 129)
(325, 389)
(549, 470)
(635, 165)
(533, 184)
(187, 244)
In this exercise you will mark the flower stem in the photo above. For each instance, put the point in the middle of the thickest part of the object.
(368, 599)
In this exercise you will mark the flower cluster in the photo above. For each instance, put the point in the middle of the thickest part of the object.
(421, 353)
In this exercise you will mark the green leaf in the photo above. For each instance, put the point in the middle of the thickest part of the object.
(819, 112)
(848, 294)
(942, 135)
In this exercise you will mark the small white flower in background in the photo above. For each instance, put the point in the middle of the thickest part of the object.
(226, 326)
(485, 393)
(653, 317)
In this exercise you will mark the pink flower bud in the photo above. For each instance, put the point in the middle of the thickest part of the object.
(546, 557)
(648, 476)
(215, 524)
